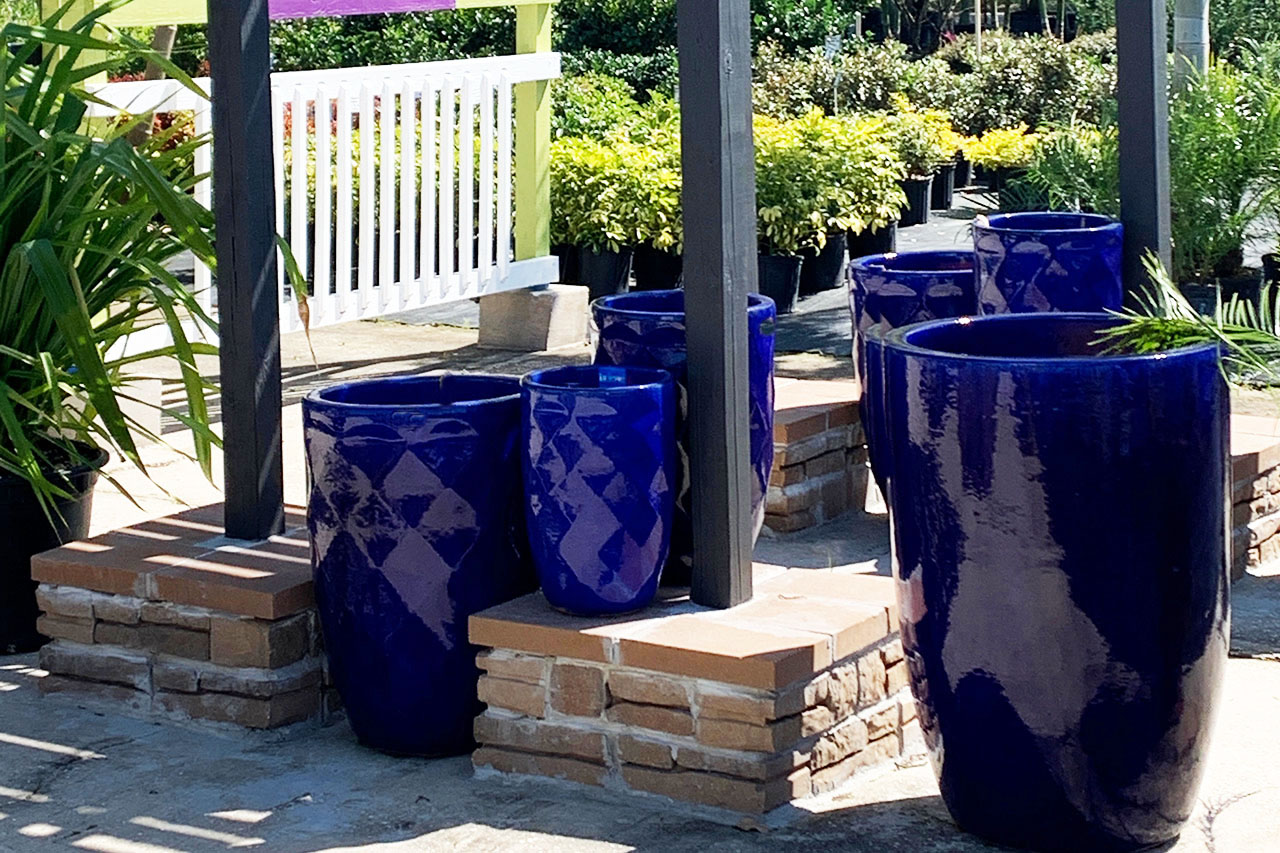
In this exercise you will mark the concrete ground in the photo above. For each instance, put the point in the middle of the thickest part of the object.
(74, 776)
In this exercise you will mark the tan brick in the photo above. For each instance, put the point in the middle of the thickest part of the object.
(881, 722)
(577, 690)
(119, 697)
(875, 754)
(840, 743)
(258, 642)
(791, 522)
(164, 613)
(871, 679)
(161, 639)
(648, 689)
(781, 476)
(121, 609)
(649, 753)
(175, 676)
(908, 705)
(65, 601)
(261, 683)
(816, 720)
(66, 628)
(836, 494)
(244, 711)
(762, 707)
(758, 766)
(794, 424)
(827, 463)
(528, 699)
(513, 666)
(897, 677)
(528, 735)
(892, 652)
(772, 737)
(842, 690)
(722, 792)
(795, 498)
(550, 766)
(653, 717)
(96, 663)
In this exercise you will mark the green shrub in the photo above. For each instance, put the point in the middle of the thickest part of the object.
(591, 105)
(862, 77)
(593, 194)
(923, 140)
(1077, 168)
(658, 71)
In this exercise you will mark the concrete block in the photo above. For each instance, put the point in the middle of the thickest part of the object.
(534, 320)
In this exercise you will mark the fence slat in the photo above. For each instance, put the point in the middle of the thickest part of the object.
(505, 154)
(343, 230)
(467, 189)
(486, 178)
(447, 194)
(299, 198)
(408, 192)
(368, 190)
(387, 198)
(323, 304)
(430, 282)
(205, 292)
(277, 151)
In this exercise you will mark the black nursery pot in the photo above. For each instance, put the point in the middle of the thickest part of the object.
(881, 241)
(963, 173)
(656, 269)
(604, 273)
(26, 531)
(1271, 269)
(824, 269)
(780, 280)
(919, 191)
(1246, 285)
(944, 187)
(568, 257)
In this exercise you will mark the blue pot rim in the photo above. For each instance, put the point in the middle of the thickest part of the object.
(317, 398)
(1007, 223)
(877, 262)
(648, 378)
(616, 305)
(900, 340)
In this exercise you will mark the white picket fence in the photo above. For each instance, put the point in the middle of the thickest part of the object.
(417, 213)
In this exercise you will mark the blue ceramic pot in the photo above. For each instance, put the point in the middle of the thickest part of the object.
(1034, 262)
(647, 330)
(888, 291)
(600, 480)
(1060, 547)
(416, 523)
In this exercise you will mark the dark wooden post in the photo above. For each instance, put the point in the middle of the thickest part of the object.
(248, 304)
(1142, 39)
(720, 271)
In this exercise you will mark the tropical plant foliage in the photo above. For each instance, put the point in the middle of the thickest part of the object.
(88, 226)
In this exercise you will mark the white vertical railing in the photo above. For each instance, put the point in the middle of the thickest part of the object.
(394, 185)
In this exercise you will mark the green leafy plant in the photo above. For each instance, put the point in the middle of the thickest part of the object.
(593, 198)
(592, 105)
(924, 139)
(1077, 168)
(1004, 148)
(88, 226)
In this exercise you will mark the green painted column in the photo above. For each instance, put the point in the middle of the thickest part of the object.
(533, 139)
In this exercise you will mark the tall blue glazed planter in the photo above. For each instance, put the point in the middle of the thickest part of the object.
(600, 481)
(1034, 262)
(648, 330)
(893, 290)
(1060, 547)
(416, 520)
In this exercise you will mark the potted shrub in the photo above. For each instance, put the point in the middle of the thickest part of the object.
(600, 478)
(1050, 491)
(88, 226)
(593, 206)
(921, 145)
(791, 205)
(654, 160)
(871, 172)
(1003, 153)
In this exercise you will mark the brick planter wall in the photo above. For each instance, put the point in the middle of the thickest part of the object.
(819, 468)
(784, 697)
(1255, 493)
(161, 618)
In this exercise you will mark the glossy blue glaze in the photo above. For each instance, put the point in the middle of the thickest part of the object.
(647, 330)
(416, 523)
(600, 480)
(1060, 549)
(1034, 262)
(889, 291)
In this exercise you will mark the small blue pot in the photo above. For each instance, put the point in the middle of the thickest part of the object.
(1035, 262)
(893, 290)
(416, 523)
(1061, 554)
(600, 480)
(648, 330)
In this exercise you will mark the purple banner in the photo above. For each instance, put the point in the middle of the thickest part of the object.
(338, 8)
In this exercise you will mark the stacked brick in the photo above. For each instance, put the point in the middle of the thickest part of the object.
(819, 469)
(692, 738)
(186, 661)
(1255, 493)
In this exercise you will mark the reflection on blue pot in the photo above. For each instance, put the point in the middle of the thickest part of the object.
(1061, 555)
(1033, 262)
(888, 291)
(416, 523)
(599, 471)
(647, 330)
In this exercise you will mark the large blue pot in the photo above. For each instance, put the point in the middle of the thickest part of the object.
(893, 290)
(600, 480)
(1034, 262)
(1060, 547)
(416, 522)
(648, 330)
